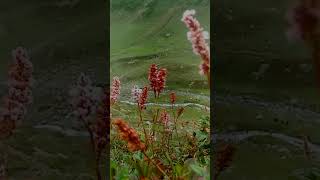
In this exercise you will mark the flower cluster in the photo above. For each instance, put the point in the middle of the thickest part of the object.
(164, 117)
(198, 37)
(19, 96)
(143, 98)
(130, 135)
(304, 19)
(84, 98)
(89, 101)
(115, 90)
(152, 76)
(157, 78)
(135, 93)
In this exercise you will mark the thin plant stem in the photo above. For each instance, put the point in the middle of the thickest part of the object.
(144, 130)
(157, 166)
(175, 128)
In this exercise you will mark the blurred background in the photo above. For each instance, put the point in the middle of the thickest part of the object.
(63, 38)
(266, 101)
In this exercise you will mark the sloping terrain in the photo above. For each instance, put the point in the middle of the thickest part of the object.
(140, 39)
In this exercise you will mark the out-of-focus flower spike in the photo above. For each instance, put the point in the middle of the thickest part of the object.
(20, 82)
(135, 93)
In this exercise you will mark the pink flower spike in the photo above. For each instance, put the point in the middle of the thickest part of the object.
(135, 93)
(161, 80)
(197, 37)
(143, 98)
(83, 98)
(19, 95)
(164, 117)
(152, 76)
(157, 79)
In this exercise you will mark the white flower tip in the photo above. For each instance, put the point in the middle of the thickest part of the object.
(191, 12)
(116, 78)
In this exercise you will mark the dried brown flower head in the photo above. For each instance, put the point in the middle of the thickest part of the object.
(130, 135)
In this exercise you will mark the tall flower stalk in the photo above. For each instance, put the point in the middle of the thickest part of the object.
(85, 100)
(141, 102)
(157, 79)
(14, 107)
(197, 36)
(15, 103)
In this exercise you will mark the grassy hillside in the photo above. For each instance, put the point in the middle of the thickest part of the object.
(139, 39)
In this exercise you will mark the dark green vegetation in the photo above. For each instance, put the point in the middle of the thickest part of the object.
(64, 40)
(275, 81)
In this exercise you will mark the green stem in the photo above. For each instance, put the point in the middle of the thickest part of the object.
(157, 166)
(176, 129)
(144, 130)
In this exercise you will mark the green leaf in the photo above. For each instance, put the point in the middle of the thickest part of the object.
(197, 169)
(169, 158)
